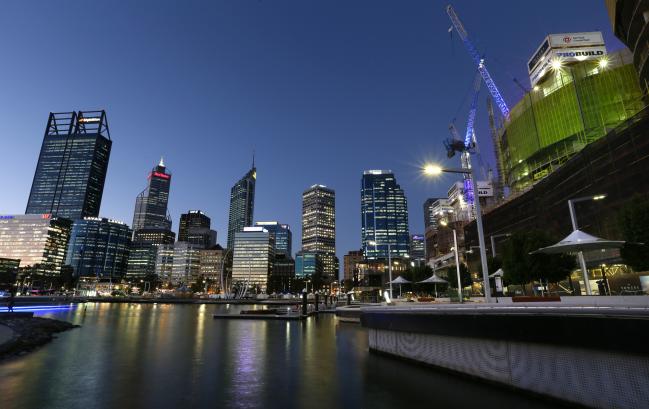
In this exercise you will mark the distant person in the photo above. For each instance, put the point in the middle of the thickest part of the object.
(11, 302)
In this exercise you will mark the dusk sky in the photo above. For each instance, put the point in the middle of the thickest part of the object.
(320, 90)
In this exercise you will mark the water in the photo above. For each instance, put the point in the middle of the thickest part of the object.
(178, 356)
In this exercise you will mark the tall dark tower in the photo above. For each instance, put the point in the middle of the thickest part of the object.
(242, 204)
(71, 170)
(151, 204)
(151, 223)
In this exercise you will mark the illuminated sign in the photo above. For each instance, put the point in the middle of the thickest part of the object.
(417, 238)
(6, 217)
(46, 216)
(89, 120)
(160, 175)
(485, 189)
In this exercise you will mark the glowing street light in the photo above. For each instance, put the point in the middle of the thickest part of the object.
(603, 63)
(556, 64)
(434, 170)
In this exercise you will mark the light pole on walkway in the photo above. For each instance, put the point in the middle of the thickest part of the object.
(573, 219)
(434, 170)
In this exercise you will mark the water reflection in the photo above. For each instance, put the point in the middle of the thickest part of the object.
(178, 356)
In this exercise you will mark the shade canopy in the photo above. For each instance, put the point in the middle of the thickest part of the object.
(498, 273)
(399, 280)
(579, 241)
(433, 280)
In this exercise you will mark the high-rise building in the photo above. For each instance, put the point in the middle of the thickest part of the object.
(417, 249)
(195, 229)
(164, 263)
(151, 223)
(433, 207)
(384, 216)
(282, 236)
(186, 263)
(151, 204)
(72, 165)
(252, 257)
(319, 227)
(98, 247)
(143, 254)
(242, 204)
(37, 240)
(211, 263)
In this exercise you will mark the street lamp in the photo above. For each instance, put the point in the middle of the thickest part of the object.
(573, 219)
(374, 243)
(435, 170)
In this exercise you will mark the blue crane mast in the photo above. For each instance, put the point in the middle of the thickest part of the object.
(479, 62)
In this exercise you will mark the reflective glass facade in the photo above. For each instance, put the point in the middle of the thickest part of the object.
(142, 258)
(308, 264)
(99, 247)
(384, 215)
(242, 204)
(282, 236)
(35, 240)
(72, 165)
(252, 257)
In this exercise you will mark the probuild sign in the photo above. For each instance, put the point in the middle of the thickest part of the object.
(565, 48)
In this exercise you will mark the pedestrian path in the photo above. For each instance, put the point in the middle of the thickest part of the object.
(6, 334)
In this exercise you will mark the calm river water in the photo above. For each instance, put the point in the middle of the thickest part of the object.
(178, 356)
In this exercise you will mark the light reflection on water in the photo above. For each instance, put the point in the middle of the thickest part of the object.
(178, 356)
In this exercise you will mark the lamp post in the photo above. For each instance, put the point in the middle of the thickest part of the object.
(373, 243)
(573, 219)
(433, 170)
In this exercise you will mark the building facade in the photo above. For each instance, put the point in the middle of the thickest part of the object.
(72, 166)
(282, 236)
(629, 19)
(186, 264)
(351, 260)
(308, 264)
(164, 263)
(252, 257)
(319, 227)
(37, 240)
(194, 228)
(384, 216)
(575, 104)
(151, 204)
(144, 247)
(282, 275)
(212, 263)
(242, 204)
(98, 247)
(417, 248)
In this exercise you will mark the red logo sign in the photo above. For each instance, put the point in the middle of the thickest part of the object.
(160, 175)
(567, 39)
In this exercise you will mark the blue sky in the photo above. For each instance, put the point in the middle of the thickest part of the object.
(321, 90)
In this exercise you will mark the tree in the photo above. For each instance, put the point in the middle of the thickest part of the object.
(465, 276)
(418, 273)
(633, 219)
(521, 267)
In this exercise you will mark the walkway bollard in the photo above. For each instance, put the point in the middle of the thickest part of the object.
(349, 299)
(304, 303)
(317, 300)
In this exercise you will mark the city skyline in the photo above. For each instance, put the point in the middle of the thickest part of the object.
(144, 129)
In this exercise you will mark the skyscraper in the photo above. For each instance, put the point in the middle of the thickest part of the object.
(242, 204)
(71, 170)
(37, 240)
(195, 229)
(319, 227)
(252, 258)
(282, 236)
(151, 204)
(151, 223)
(98, 247)
(384, 215)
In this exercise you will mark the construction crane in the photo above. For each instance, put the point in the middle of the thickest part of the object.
(479, 61)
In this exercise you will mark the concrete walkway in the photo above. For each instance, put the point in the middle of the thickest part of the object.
(6, 334)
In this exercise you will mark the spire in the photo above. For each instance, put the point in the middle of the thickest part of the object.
(253, 159)
(162, 162)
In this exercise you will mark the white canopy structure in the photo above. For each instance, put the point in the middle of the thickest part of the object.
(399, 280)
(433, 280)
(579, 241)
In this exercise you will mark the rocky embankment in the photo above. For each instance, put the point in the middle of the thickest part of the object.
(29, 333)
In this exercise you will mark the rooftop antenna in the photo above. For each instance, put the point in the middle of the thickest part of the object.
(162, 162)
(253, 158)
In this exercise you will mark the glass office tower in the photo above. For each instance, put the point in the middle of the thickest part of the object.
(72, 165)
(319, 227)
(37, 240)
(384, 215)
(242, 204)
(252, 257)
(151, 204)
(99, 248)
(194, 228)
(282, 236)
